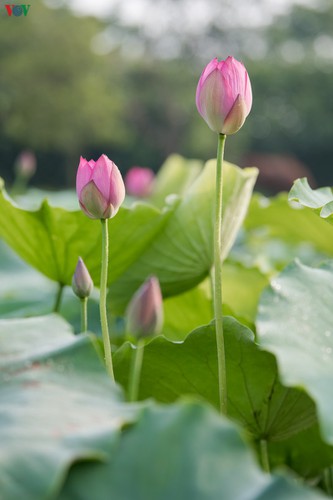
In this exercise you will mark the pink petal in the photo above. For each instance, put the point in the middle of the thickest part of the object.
(248, 94)
(102, 175)
(236, 117)
(117, 189)
(212, 99)
(83, 175)
(231, 83)
(211, 66)
(93, 202)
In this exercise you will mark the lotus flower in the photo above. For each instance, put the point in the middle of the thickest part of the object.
(145, 310)
(100, 188)
(224, 95)
(82, 283)
(139, 181)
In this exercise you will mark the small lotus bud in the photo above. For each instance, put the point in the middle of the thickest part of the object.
(145, 311)
(139, 181)
(82, 283)
(224, 95)
(100, 188)
(25, 164)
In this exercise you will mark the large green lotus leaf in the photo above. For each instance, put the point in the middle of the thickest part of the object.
(175, 244)
(33, 198)
(242, 287)
(182, 255)
(298, 453)
(290, 223)
(57, 406)
(25, 292)
(174, 177)
(255, 396)
(256, 249)
(295, 322)
(321, 200)
(184, 451)
(186, 311)
(51, 238)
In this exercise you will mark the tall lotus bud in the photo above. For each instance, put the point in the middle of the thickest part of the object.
(100, 188)
(224, 95)
(145, 310)
(139, 181)
(82, 283)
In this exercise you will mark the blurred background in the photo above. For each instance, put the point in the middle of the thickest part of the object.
(82, 77)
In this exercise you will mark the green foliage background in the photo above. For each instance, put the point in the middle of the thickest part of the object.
(61, 99)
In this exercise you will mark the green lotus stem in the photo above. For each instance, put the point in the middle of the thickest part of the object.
(135, 371)
(328, 481)
(57, 302)
(264, 455)
(19, 186)
(222, 379)
(102, 299)
(84, 314)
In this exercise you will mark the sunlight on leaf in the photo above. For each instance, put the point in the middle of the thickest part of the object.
(256, 398)
(295, 322)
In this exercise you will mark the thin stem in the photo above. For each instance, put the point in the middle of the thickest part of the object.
(102, 299)
(264, 455)
(19, 186)
(218, 276)
(57, 302)
(328, 481)
(84, 314)
(135, 371)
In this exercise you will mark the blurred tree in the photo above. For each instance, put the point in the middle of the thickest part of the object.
(56, 95)
(288, 61)
(294, 107)
(72, 86)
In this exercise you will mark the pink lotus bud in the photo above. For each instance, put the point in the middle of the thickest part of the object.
(100, 188)
(82, 283)
(139, 181)
(224, 95)
(25, 164)
(145, 310)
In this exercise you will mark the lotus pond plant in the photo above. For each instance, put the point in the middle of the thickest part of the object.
(24, 168)
(101, 191)
(224, 100)
(144, 319)
(82, 286)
